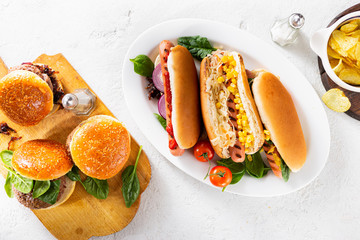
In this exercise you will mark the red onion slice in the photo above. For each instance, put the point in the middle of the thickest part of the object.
(162, 107)
(157, 78)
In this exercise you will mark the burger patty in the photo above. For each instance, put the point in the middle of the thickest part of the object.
(27, 200)
(46, 74)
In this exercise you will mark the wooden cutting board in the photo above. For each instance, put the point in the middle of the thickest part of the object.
(82, 216)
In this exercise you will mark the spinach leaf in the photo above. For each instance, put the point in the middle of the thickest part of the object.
(74, 174)
(237, 177)
(40, 188)
(51, 195)
(21, 183)
(199, 47)
(256, 166)
(235, 168)
(8, 185)
(161, 120)
(6, 157)
(285, 171)
(131, 184)
(97, 188)
(143, 65)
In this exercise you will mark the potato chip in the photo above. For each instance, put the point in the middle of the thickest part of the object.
(350, 75)
(355, 34)
(332, 53)
(345, 42)
(334, 62)
(336, 100)
(335, 46)
(349, 27)
(339, 67)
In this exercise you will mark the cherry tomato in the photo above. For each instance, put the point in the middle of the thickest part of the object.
(202, 147)
(220, 176)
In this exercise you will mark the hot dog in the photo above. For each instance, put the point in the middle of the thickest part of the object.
(285, 144)
(181, 96)
(228, 108)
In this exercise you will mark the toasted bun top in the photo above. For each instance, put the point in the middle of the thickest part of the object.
(100, 146)
(42, 160)
(25, 98)
(185, 97)
(278, 113)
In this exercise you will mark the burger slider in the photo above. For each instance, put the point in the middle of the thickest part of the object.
(29, 93)
(99, 146)
(41, 161)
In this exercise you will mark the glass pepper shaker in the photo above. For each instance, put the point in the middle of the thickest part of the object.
(285, 31)
(80, 102)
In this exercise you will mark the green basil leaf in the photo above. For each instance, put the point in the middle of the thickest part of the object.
(8, 185)
(161, 120)
(285, 171)
(97, 188)
(40, 187)
(51, 195)
(74, 174)
(235, 167)
(199, 47)
(6, 157)
(255, 167)
(237, 177)
(143, 65)
(131, 184)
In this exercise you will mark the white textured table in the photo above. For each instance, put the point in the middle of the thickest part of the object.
(94, 37)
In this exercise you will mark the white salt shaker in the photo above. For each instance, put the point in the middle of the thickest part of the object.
(80, 102)
(285, 31)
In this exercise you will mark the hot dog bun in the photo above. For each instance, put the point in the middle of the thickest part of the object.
(278, 113)
(217, 117)
(185, 97)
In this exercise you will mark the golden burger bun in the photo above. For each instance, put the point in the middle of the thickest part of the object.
(42, 160)
(99, 146)
(25, 98)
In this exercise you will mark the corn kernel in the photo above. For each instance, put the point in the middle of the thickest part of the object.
(230, 58)
(244, 117)
(233, 81)
(225, 68)
(241, 109)
(235, 73)
(231, 89)
(233, 85)
(229, 75)
(237, 106)
(237, 95)
(220, 80)
(238, 122)
(238, 116)
(236, 100)
(233, 63)
(224, 59)
(218, 105)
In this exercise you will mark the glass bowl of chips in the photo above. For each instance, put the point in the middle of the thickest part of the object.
(338, 46)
